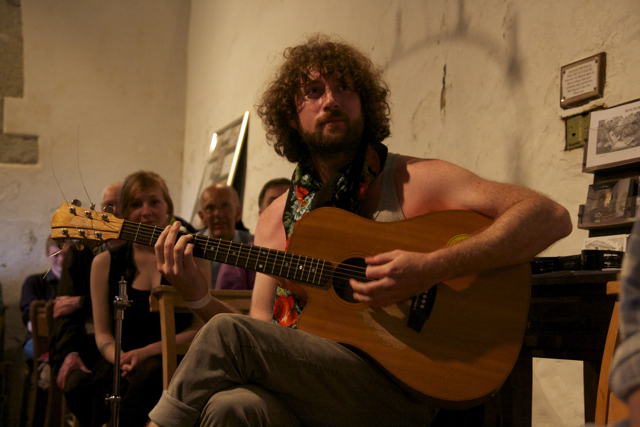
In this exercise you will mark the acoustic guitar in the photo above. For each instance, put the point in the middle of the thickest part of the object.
(452, 347)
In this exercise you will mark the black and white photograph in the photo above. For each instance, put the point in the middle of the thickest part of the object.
(614, 137)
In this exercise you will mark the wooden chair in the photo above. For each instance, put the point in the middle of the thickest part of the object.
(57, 410)
(40, 333)
(4, 369)
(167, 301)
(608, 408)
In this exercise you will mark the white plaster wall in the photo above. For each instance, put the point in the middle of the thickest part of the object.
(104, 92)
(500, 117)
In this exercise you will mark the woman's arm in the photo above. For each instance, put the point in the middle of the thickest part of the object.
(100, 303)
(130, 359)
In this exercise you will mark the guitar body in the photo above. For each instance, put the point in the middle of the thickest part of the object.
(466, 348)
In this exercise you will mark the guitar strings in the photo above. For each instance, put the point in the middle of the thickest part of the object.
(247, 254)
(54, 171)
(148, 233)
(78, 160)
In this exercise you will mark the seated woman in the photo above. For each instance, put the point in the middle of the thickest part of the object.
(144, 198)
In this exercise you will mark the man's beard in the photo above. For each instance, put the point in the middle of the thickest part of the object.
(322, 145)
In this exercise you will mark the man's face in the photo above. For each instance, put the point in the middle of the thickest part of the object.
(271, 194)
(329, 113)
(56, 260)
(110, 198)
(219, 211)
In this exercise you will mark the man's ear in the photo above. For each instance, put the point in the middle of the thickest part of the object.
(201, 215)
(293, 123)
(238, 213)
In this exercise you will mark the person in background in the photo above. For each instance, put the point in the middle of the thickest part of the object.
(271, 191)
(41, 286)
(232, 277)
(73, 351)
(624, 376)
(220, 210)
(144, 198)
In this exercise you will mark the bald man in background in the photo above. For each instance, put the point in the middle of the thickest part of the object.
(220, 210)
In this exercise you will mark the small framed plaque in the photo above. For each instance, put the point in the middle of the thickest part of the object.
(582, 81)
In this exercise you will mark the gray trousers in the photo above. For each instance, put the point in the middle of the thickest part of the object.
(241, 371)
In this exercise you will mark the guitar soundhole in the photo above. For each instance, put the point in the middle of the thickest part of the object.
(352, 268)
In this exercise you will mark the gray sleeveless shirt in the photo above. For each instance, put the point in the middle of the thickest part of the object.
(389, 208)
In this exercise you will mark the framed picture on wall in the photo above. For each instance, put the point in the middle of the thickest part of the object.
(222, 161)
(609, 202)
(614, 138)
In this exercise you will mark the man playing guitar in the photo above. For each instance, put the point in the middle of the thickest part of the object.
(327, 111)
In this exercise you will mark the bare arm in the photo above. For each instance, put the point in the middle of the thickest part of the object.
(525, 224)
(131, 358)
(270, 234)
(100, 303)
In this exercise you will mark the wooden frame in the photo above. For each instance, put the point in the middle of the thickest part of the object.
(582, 81)
(222, 162)
(614, 138)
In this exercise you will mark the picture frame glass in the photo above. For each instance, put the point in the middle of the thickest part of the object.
(224, 152)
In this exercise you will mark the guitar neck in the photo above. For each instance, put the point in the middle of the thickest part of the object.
(299, 268)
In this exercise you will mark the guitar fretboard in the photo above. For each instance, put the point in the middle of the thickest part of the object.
(300, 268)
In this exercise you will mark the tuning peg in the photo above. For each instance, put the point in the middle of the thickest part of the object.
(76, 202)
(108, 209)
(92, 206)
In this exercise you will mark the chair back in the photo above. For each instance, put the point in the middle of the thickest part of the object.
(167, 301)
(609, 409)
(39, 329)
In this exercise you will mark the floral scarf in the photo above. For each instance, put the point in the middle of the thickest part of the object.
(345, 190)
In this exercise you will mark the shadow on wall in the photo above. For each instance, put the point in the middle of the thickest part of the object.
(492, 47)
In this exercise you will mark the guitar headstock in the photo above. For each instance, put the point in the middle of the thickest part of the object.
(74, 222)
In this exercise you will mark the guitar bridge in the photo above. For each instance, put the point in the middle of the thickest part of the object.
(421, 307)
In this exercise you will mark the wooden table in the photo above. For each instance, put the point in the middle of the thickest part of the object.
(568, 319)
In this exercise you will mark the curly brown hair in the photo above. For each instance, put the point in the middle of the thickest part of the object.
(320, 53)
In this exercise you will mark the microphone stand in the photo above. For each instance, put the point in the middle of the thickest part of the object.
(121, 303)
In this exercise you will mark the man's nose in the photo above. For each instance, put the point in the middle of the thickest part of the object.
(329, 99)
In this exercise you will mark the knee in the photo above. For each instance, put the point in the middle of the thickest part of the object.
(234, 407)
(220, 326)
